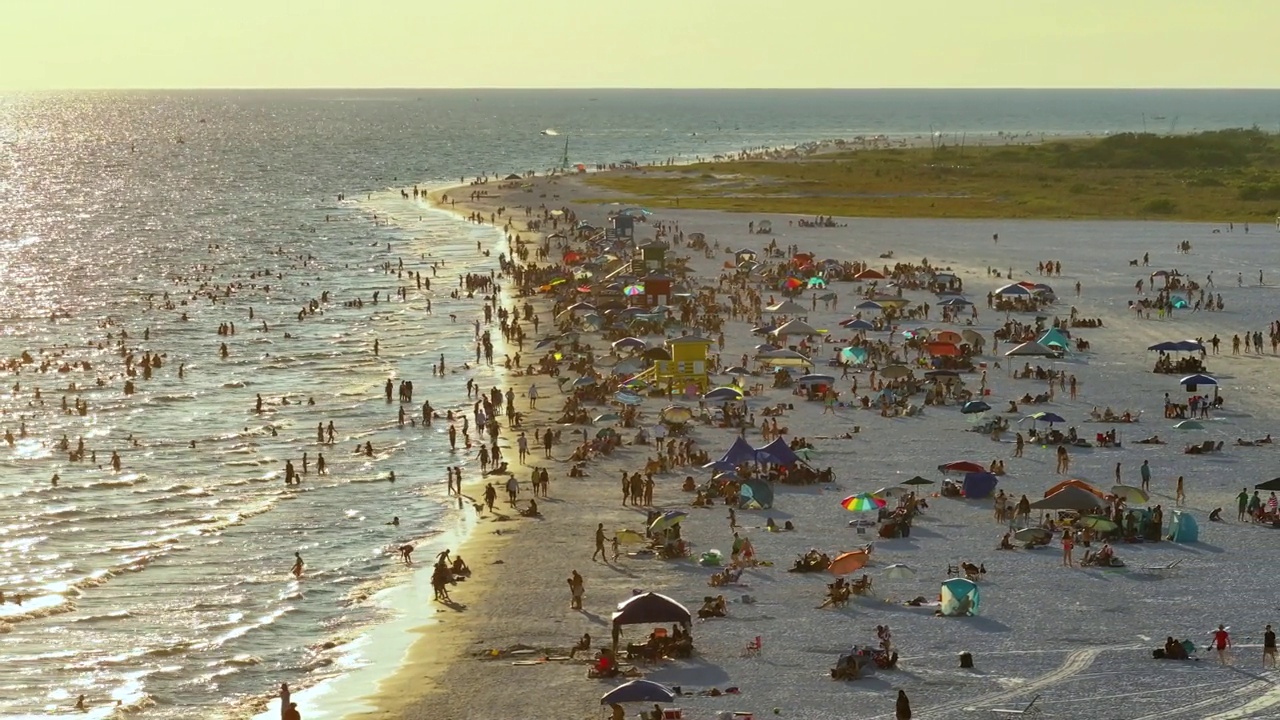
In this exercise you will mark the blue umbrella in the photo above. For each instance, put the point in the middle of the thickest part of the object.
(1048, 417)
(955, 302)
(638, 691)
(723, 393)
(1198, 379)
(974, 406)
(857, 324)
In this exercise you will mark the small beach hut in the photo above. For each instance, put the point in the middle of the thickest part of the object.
(959, 598)
(1183, 528)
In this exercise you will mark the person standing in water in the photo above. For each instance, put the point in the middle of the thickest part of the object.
(297, 565)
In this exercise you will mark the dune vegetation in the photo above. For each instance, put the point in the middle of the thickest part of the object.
(1228, 175)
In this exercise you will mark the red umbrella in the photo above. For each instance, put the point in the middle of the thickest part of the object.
(961, 466)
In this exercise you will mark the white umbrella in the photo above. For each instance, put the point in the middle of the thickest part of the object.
(898, 571)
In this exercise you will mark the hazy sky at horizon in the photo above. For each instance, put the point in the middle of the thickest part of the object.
(59, 44)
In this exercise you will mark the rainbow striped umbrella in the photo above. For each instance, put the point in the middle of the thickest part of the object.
(862, 502)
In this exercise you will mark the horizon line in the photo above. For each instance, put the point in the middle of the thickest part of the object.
(496, 88)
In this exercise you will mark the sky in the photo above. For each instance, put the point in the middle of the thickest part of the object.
(113, 44)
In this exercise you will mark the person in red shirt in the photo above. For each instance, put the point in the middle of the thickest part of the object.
(1221, 641)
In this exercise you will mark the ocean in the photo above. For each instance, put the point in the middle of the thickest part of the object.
(136, 223)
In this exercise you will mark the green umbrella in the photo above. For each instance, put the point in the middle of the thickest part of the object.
(917, 480)
(1100, 524)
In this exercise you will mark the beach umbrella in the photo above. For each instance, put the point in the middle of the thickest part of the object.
(898, 571)
(973, 337)
(890, 491)
(869, 274)
(638, 691)
(1198, 379)
(584, 382)
(856, 324)
(846, 563)
(955, 302)
(948, 336)
(546, 342)
(962, 466)
(628, 398)
(720, 465)
(974, 406)
(670, 518)
(766, 347)
(862, 502)
(723, 393)
(1042, 416)
(1098, 523)
(895, 372)
(736, 370)
(1272, 484)
(805, 380)
(796, 327)
(828, 296)
(675, 414)
(606, 432)
(633, 290)
(791, 283)
(917, 480)
(1130, 494)
(1189, 425)
(854, 355)
(629, 343)
(942, 374)
(656, 353)
(630, 537)
(607, 417)
(805, 453)
(1013, 289)
(869, 305)
(1032, 534)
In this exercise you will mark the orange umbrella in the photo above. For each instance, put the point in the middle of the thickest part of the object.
(846, 563)
(869, 274)
(942, 349)
(1076, 483)
(948, 336)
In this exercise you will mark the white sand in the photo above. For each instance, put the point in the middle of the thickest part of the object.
(1079, 638)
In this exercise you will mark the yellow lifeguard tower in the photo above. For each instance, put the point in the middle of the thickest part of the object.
(688, 364)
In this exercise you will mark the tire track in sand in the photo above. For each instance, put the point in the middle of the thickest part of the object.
(1199, 708)
(1254, 707)
(1075, 663)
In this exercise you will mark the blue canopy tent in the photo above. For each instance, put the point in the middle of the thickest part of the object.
(979, 485)
(739, 452)
(776, 452)
(960, 598)
(755, 491)
(1183, 528)
(1053, 337)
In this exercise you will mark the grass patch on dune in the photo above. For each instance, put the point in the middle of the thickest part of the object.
(1214, 176)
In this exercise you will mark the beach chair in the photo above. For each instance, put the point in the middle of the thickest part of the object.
(673, 714)
(753, 648)
(1026, 710)
(1162, 569)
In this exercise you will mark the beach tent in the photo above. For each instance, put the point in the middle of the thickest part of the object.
(1077, 484)
(1031, 349)
(856, 324)
(776, 452)
(1013, 289)
(1183, 528)
(739, 452)
(648, 608)
(959, 598)
(979, 485)
(787, 307)
(755, 491)
(796, 327)
(1069, 498)
(646, 691)
(1054, 337)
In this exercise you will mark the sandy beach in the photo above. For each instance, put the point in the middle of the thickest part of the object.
(1077, 638)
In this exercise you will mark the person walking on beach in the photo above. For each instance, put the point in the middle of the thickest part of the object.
(577, 588)
(1180, 495)
(1222, 642)
(1145, 472)
(297, 565)
(490, 495)
(1269, 648)
(599, 544)
(533, 397)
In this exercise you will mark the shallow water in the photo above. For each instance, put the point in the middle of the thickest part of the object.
(166, 585)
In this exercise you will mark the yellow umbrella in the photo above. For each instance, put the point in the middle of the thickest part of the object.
(630, 537)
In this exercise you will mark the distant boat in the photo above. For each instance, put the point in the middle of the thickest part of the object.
(549, 131)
